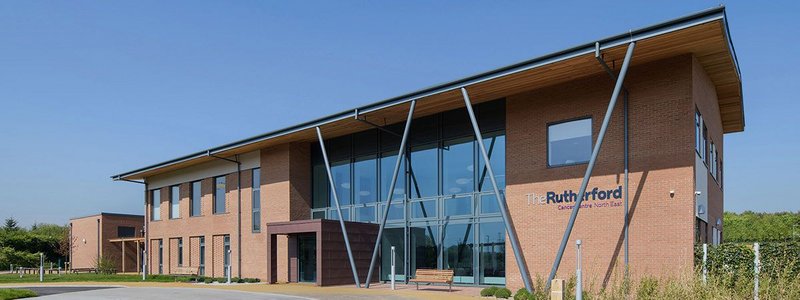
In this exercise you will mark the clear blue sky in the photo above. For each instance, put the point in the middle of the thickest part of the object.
(93, 88)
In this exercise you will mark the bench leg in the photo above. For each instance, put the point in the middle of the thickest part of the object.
(451, 287)
(417, 285)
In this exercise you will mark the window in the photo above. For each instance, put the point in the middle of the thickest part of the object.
(227, 254)
(495, 144)
(705, 145)
(197, 193)
(174, 202)
(202, 266)
(492, 250)
(126, 231)
(424, 171)
(219, 195)
(160, 256)
(180, 252)
(365, 175)
(457, 245)
(569, 143)
(388, 162)
(256, 184)
(155, 205)
(712, 168)
(458, 166)
(341, 176)
(698, 133)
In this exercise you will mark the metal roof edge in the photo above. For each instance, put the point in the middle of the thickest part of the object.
(697, 18)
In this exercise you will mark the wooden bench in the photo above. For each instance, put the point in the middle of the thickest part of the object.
(433, 276)
(185, 271)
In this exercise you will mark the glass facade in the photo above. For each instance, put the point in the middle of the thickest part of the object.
(443, 204)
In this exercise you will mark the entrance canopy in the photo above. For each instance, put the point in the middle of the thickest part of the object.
(332, 266)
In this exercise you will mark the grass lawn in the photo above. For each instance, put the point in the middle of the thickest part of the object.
(8, 294)
(33, 278)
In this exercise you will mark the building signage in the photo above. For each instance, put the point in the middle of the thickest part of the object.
(595, 197)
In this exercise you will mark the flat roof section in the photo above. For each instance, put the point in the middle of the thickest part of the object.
(704, 34)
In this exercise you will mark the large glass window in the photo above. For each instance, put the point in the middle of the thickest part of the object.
(219, 195)
(365, 175)
(388, 161)
(155, 205)
(492, 242)
(457, 243)
(174, 202)
(424, 171)
(197, 193)
(443, 193)
(393, 237)
(495, 144)
(424, 250)
(458, 166)
(256, 186)
(569, 143)
(341, 176)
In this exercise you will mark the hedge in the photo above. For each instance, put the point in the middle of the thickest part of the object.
(777, 259)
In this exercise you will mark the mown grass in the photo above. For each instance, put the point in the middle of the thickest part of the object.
(32, 278)
(8, 294)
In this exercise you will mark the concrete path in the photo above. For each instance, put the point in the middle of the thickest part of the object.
(165, 293)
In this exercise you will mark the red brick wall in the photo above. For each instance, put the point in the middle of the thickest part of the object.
(661, 145)
(705, 99)
(84, 253)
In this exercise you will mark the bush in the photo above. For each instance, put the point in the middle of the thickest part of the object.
(208, 280)
(502, 293)
(522, 294)
(105, 265)
(488, 292)
(648, 288)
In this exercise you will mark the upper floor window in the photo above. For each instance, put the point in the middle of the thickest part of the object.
(569, 143)
(219, 195)
(126, 231)
(155, 205)
(174, 202)
(196, 196)
(705, 155)
(699, 146)
(256, 199)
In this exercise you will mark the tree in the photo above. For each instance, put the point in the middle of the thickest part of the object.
(66, 244)
(11, 224)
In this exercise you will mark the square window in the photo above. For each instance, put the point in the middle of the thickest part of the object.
(569, 143)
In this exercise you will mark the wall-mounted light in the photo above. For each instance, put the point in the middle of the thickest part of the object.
(697, 193)
(84, 241)
(672, 194)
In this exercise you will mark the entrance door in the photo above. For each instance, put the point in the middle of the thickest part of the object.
(307, 258)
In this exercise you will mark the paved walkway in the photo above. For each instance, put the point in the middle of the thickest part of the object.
(177, 290)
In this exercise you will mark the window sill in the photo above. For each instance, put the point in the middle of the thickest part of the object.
(549, 166)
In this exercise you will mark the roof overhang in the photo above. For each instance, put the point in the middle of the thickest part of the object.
(704, 34)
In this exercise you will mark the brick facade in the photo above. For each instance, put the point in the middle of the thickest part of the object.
(91, 237)
(663, 97)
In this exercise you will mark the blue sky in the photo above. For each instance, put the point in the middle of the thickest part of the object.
(89, 89)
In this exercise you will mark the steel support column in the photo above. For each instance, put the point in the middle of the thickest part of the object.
(338, 208)
(625, 96)
(592, 160)
(400, 157)
(512, 236)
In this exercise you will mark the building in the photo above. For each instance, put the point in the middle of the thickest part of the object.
(116, 237)
(256, 205)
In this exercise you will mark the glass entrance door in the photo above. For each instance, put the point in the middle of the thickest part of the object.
(307, 258)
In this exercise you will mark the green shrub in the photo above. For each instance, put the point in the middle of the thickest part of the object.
(522, 294)
(648, 288)
(16, 293)
(489, 291)
(208, 280)
(502, 293)
(105, 265)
